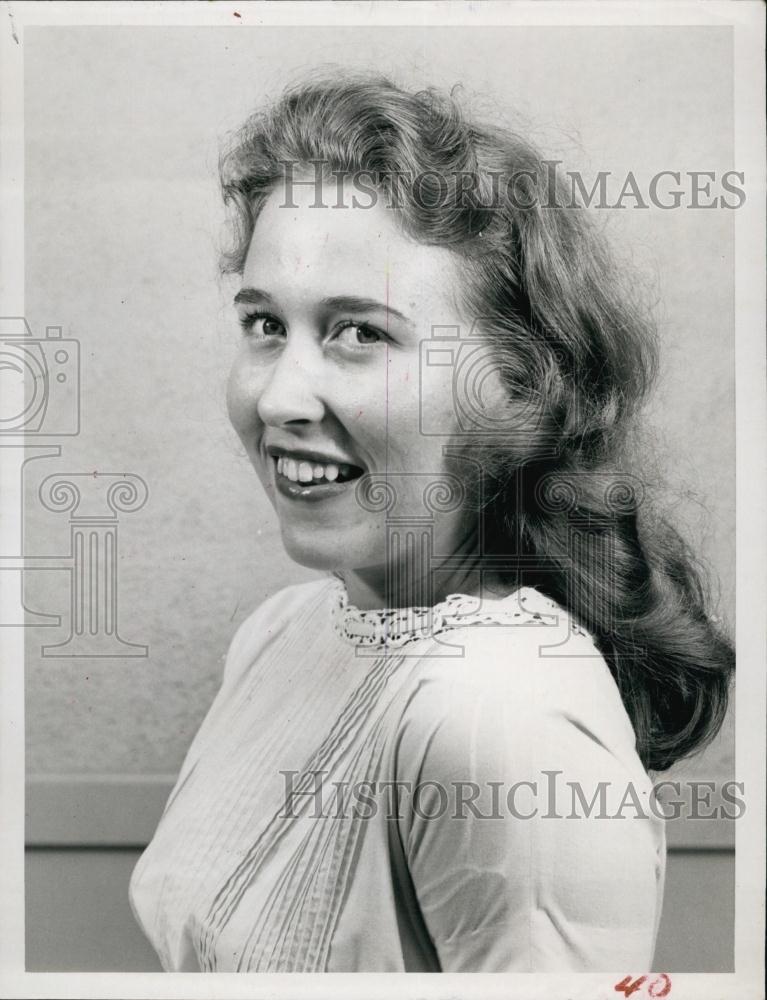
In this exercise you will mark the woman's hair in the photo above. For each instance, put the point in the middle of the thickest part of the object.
(559, 509)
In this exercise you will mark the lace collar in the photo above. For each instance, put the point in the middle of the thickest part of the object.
(392, 628)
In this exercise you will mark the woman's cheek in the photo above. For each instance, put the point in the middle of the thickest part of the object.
(241, 401)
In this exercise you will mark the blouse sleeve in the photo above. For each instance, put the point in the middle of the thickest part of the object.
(528, 834)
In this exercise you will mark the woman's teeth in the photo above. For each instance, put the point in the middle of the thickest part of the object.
(310, 472)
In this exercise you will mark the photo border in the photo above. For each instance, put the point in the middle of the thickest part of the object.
(747, 21)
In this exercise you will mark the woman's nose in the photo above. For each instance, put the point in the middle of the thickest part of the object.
(290, 392)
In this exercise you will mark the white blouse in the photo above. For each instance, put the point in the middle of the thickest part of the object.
(451, 789)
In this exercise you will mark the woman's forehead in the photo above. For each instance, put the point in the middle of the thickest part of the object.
(354, 249)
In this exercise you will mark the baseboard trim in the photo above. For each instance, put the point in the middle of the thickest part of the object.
(94, 810)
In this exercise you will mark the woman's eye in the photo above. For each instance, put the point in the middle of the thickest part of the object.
(359, 334)
(261, 325)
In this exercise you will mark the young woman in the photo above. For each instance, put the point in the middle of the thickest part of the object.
(436, 757)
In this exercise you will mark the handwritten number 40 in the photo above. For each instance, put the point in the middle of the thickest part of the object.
(658, 987)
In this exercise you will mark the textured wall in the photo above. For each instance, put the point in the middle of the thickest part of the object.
(123, 221)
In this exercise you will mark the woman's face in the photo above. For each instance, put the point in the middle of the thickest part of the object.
(326, 384)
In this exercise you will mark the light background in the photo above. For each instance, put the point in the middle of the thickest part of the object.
(123, 224)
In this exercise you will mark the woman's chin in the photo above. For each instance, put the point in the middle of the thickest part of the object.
(316, 552)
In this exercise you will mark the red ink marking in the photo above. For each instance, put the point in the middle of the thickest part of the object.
(660, 986)
(626, 987)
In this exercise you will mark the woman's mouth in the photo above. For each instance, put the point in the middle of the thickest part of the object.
(304, 479)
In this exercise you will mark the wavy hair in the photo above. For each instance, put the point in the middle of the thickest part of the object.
(561, 509)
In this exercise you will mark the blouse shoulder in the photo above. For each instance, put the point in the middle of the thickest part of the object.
(520, 698)
(292, 606)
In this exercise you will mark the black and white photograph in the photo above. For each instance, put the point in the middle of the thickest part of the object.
(382, 438)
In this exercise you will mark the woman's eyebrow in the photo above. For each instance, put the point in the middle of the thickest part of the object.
(253, 296)
(334, 303)
(356, 304)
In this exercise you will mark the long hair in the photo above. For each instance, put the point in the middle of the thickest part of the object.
(561, 509)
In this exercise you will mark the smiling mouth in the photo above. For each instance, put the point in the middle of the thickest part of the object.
(311, 476)
(311, 473)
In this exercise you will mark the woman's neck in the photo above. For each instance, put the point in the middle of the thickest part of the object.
(408, 585)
